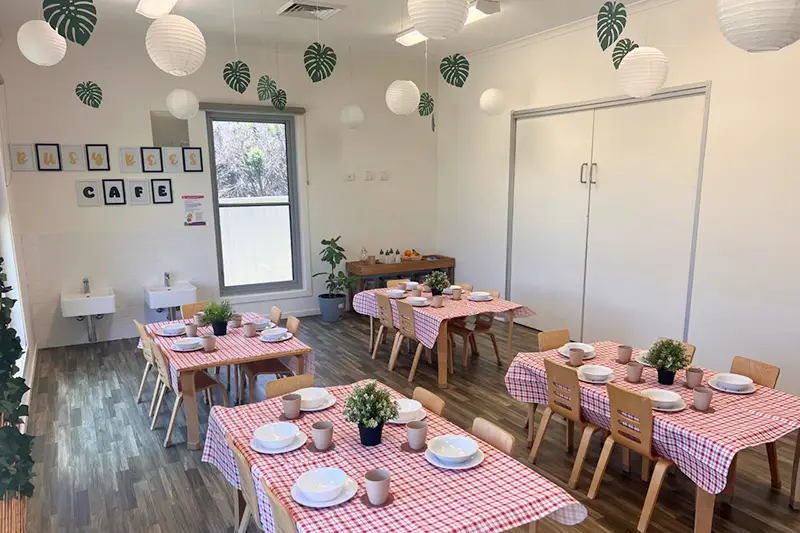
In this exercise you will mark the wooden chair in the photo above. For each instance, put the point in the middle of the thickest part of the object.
(464, 286)
(282, 521)
(482, 325)
(279, 387)
(429, 400)
(148, 358)
(407, 331)
(632, 427)
(249, 372)
(275, 315)
(550, 340)
(386, 317)
(202, 382)
(690, 349)
(492, 434)
(189, 310)
(392, 283)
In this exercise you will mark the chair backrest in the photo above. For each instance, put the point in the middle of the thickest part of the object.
(464, 286)
(275, 315)
(148, 353)
(762, 374)
(142, 331)
(550, 340)
(563, 390)
(292, 324)
(246, 483)
(281, 519)
(429, 400)
(188, 310)
(407, 324)
(279, 387)
(631, 420)
(160, 360)
(690, 349)
(492, 434)
(392, 283)
(385, 311)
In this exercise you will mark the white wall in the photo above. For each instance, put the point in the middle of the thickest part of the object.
(131, 246)
(745, 286)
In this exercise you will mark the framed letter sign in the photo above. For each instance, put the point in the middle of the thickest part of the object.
(114, 192)
(97, 157)
(88, 192)
(48, 157)
(162, 191)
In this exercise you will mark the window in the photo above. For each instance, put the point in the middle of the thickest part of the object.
(254, 179)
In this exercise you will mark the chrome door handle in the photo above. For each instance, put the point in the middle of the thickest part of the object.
(580, 177)
(591, 173)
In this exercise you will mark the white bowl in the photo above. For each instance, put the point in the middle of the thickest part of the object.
(274, 333)
(596, 372)
(417, 300)
(452, 449)
(312, 397)
(277, 435)
(322, 484)
(396, 292)
(480, 295)
(411, 285)
(407, 409)
(660, 398)
(588, 348)
(733, 381)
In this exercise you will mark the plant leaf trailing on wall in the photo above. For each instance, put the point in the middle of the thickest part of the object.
(266, 88)
(72, 19)
(455, 69)
(237, 75)
(425, 104)
(320, 60)
(279, 99)
(621, 50)
(610, 22)
(89, 93)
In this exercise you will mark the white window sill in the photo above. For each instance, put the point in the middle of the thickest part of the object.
(269, 296)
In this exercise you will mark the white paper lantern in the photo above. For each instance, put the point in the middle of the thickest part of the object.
(154, 9)
(41, 44)
(643, 71)
(182, 104)
(352, 116)
(175, 45)
(438, 19)
(759, 25)
(492, 101)
(402, 97)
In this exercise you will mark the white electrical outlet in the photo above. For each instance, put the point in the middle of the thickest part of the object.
(369, 176)
(384, 176)
(350, 177)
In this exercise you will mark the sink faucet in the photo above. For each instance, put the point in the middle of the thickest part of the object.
(86, 286)
(166, 279)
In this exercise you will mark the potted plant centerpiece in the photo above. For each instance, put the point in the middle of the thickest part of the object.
(218, 314)
(668, 356)
(331, 304)
(370, 407)
(437, 282)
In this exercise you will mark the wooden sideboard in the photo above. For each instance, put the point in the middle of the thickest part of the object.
(394, 270)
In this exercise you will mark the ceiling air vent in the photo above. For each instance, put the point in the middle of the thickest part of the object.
(310, 10)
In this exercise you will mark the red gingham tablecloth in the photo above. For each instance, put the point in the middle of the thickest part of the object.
(428, 319)
(231, 347)
(499, 494)
(702, 445)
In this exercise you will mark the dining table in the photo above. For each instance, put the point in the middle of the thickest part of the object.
(233, 348)
(431, 323)
(702, 444)
(496, 495)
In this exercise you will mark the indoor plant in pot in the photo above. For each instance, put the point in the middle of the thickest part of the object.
(331, 303)
(370, 407)
(668, 356)
(218, 314)
(437, 282)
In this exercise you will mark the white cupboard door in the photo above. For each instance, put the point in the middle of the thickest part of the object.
(641, 218)
(549, 224)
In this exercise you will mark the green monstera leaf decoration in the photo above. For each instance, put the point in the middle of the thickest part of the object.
(425, 104)
(610, 22)
(89, 93)
(320, 60)
(621, 50)
(237, 76)
(279, 99)
(455, 69)
(72, 19)
(266, 88)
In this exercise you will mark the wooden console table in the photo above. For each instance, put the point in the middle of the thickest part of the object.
(363, 270)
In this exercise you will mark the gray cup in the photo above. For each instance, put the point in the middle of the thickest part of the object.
(191, 330)
(624, 353)
(576, 356)
(291, 406)
(634, 370)
(377, 482)
(322, 434)
(694, 377)
(416, 433)
(702, 398)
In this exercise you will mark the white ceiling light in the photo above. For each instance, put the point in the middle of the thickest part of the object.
(438, 19)
(402, 97)
(182, 104)
(477, 10)
(643, 71)
(492, 101)
(41, 44)
(352, 116)
(154, 9)
(759, 25)
(175, 45)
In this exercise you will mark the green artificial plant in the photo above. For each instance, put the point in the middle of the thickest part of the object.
(437, 281)
(370, 406)
(667, 354)
(217, 312)
(338, 283)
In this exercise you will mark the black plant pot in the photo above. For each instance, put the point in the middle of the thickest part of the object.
(436, 292)
(370, 436)
(220, 328)
(666, 377)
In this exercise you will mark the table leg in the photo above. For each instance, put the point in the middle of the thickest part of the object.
(510, 319)
(371, 333)
(190, 410)
(794, 498)
(703, 511)
(443, 346)
(239, 505)
(301, 362)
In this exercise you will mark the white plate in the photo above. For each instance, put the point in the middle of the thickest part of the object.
(419, 301)
(173, 333)
(583, 378)
(187, 348)
(713, 384)
(679, 406)
(477, 299)
(286, 336)
(588, 348)
(328, 403)
(641, 360)
(265, 325)
(398, 295)
(472, 462)
(420, 416)
(299, 441)
(350, 490)
(449, 290)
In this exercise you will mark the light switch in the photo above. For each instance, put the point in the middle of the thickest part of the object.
(350, 177)
(369, 176)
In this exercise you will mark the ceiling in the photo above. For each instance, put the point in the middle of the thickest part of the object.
(363, 24)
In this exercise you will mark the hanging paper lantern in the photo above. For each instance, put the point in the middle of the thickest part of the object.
(175, 45)
(154, 9)
(402, 97)
(352, 116)
(759, 25)
(182, 104)
(492, 101)
(643, 71)
(438, 19)
(41, 44)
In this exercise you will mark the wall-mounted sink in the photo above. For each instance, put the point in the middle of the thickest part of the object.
(166, 297)
(96, 302)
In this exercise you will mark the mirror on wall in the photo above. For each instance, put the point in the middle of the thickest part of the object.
(168, 130)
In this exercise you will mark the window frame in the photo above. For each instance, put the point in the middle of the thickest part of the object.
(293, 203)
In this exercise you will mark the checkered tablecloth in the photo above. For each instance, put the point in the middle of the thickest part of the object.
(428, 319)
(499, 494)
(232, 348)
(702, 445)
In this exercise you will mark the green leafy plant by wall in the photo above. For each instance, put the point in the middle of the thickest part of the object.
(611, 21)
(337, 283)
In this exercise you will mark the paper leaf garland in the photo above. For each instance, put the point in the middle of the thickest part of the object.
(320, 60)
(89, 93)
(237, 76)
(455, 69)
(72, 19)
(610, 22)
(279, 99)
(425, 104)
(266, 88)
(621, 50)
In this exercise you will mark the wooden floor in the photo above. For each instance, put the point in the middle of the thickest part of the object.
(99, 468)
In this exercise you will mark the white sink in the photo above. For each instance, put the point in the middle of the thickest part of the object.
(174, 296)
(97, 302)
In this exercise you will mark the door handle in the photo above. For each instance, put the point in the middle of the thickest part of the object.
(592, 170)
(580, 177)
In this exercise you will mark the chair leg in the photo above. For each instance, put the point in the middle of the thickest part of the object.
(398, 341)
(730, 487)
(242, 383)
(429, 355)
(408, 345)
(417, 355)
(224, 397)
(253, 381)
(652, 493)
(496, 349)
(158, 407)
(533, 527)
(626, 460)
(245, 521)
(570, 436)
(450, 361)
(175, 409)
(774, 472)
(530, 422)
(646, 469)
(156, 390)
(235, 381)
(381, 331)
(148, 365)
(600, 469)
(540, 434)
(583, 448)
(371, 333)
(210, 395)
(230, 369)
(474, 345)
(466, 351)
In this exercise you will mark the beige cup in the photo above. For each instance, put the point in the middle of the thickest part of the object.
(624, 353)
(456, 294)
(191, 330)
(198, 318)
(694, 377)
(635, 372)
(377, 482)
(438, 301)
(702, 398)
(576, 356)
(322, 434)
(209, 343)
(236, 321)
(416, 292)
(291, 407)
(417, 433)
(250, 329)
